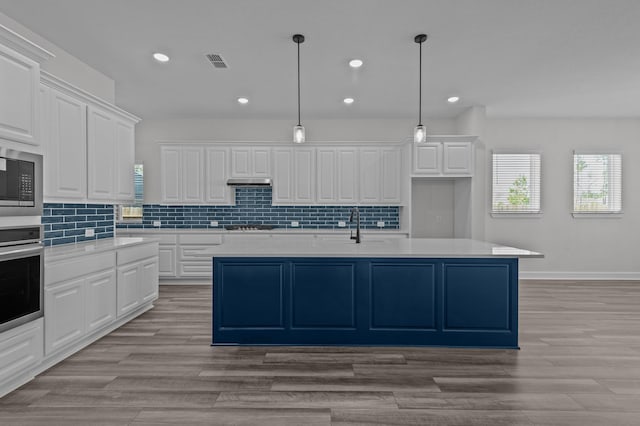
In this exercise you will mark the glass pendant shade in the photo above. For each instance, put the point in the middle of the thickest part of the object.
(298, 134)
(420, 134)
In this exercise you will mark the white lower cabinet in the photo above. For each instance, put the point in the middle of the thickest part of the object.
(20, 350)
(100, 299)
(167, 260)
(64, 307)
(137, 277)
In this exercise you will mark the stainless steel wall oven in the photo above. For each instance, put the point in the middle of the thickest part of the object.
(21, 276)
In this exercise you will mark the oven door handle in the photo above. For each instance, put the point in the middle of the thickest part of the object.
(31, 248)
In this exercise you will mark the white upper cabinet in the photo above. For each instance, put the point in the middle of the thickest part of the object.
(217, 172)
(192, 175)
(370, 175)
(283, 176)
(347, 176)
(19, 87)
(326, 185)
(294, 179)
(380, 176)
(391, 189)
(250, 162)
(101, 150)
(65, 136)
(444, 156)
(171, 169)
(125, 160)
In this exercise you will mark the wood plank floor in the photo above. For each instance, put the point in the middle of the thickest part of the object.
(579, 365)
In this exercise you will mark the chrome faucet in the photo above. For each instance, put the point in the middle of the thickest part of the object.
(355, 212)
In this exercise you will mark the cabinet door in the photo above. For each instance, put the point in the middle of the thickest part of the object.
(19, 83)
(125, 160)
(370, 175)
(100, 297)
(167, 261)
(217, 190)
(171, 180)
(347, 188)
(20, 349)
(283, 175)
(101, 151)
(149, 280)
(391, 176)
(426, 158)
(192, 175)
(65, 162)
(261, 162)
(326, 180)
(128, 288)
(64, 320)
(304, 175)
(457, 158)
(241, 162)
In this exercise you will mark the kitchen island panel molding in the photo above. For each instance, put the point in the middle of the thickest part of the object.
(462, 302)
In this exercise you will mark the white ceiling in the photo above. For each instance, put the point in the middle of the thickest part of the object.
(545, 58)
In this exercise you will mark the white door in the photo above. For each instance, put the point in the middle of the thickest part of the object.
(457, 158)
(128, 288)
(149, 280)
(304, 171)
(167, 261)
(19, 83)
(100, 300)
(241, 162)
(261, 162)
(348, 181)
(370, 173)
(283, 175)
(193, 175)
(101, 150)
(64, 320)
(427, 158)
(326, 180)
(391, 176)
(125, 160)
(171, 179)
(65, 162)
(217, 190)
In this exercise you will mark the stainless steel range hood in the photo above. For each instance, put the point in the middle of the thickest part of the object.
(250, 182)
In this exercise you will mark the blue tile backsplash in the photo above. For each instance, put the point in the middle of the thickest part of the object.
(66, 223)
(253, 205)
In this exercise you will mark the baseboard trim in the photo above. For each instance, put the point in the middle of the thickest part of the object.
(185, 281)
(586, 276)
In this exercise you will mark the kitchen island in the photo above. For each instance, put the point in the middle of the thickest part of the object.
(327, 291)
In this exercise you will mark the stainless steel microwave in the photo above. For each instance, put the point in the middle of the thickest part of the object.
(20, 183)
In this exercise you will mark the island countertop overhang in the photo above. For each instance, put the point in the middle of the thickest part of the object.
(372, 248)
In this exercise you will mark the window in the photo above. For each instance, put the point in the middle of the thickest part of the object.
(133, 212)
(597, 183)
(516, 183)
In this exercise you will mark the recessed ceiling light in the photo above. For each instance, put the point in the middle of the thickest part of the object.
(355, 63)
(160, 57)
(453, 99)
(348, 101)
(243, 101)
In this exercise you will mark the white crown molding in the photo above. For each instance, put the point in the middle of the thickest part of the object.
(582, 276)
(52, 81)
(445, 138)
(26, 47)
(267, 143)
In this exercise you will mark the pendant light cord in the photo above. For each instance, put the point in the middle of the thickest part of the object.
(298, 43)
(420, 90)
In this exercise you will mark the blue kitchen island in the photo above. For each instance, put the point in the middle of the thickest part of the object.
(314, 291)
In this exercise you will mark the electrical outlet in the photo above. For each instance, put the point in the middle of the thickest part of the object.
(342, 224)
(213, 223)
(89, 233)
(380, 224)
(295, 224)
(156, 223)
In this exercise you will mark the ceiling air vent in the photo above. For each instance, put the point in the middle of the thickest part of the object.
(217, 60)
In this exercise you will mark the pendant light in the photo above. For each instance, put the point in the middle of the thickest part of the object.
(298, 131)
(420, 132)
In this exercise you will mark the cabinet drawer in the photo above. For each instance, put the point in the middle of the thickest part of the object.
(132, 254)
(20, 349)
(68, 269)
(196, 269)
(202, 239)
(192, 252)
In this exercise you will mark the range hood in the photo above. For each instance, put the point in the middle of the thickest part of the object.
(250, 182)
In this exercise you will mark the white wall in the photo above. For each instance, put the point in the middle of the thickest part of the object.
(149, 132)
(573, 248)
(66, 66)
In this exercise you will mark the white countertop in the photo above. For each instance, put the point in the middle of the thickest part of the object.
(370, 246)
(285, 231)
(64, 251)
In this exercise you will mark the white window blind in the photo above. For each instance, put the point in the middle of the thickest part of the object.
(516, 183)
(597, 183)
